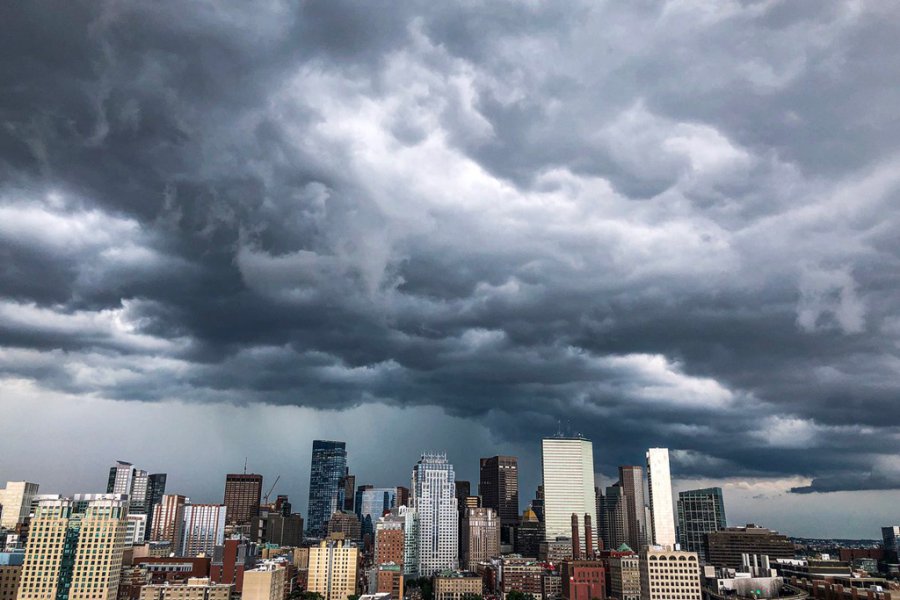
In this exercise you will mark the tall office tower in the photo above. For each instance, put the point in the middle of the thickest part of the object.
(332, 570)
(203, 528)
(613, 515)
(499, 490)
(75, 555)
(373, 504)
(243, 492)
(537, 504)
(529, 535)
(659, 479)
(137, 495)
(156, 489)
(669, 574)
(15, 500)
(120, 476)
(389, 538)
(434, 499)
(347, 489)
(481, 532)
(699, 512)
(568, 475)
(631, 479)
(328, 468)
(168, 517)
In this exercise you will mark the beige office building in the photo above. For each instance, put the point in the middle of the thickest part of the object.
(332, 570)
(669, 575)
(265, 582)
(15, 500)
(81, 551)
(195, 588)
(168, 517)
(9, 581)
(481, 536)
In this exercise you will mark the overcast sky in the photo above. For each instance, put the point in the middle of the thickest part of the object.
(228, 229)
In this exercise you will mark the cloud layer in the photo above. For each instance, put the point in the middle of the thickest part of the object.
(665, 223)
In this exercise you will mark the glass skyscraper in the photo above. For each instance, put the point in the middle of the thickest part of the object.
(699, 512)
(327, 470)
(373, 504)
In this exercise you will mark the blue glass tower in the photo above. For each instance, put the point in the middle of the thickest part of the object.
(373, 504)
(328, 467)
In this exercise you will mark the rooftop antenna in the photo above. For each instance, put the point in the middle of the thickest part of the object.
(245, 465)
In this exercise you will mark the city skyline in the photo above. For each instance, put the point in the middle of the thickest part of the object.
(226, 232)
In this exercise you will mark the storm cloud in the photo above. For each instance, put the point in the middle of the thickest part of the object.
(663, 223)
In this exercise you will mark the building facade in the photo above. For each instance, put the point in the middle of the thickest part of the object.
(625, 577)
(265, 582)
(726, 546)
(332, 570)
(456, 585)
(659, 480)
(196, 588)
(568, 483)
(74, 555)
(529, 535)
(700, 512)
(373, 504)
(631, 480)
(15, 499)
(434, 499)
(481, 532)
(327, 473)
(389, 538)
(168, 517)
(202, 529)
(669, 575)
(243, 492)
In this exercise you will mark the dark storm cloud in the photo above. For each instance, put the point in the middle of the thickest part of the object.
(667, 223)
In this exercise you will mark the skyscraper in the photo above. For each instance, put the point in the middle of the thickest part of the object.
(346, 491)
(700, 512)
(631, 479)
(327, 469)
(659, 479)
(15, 500)
(243, 492)
(373, 504)
(568, 474)
(168, 517)
(433, 492)
(499, 488)
(120, 476)
(203, 528)
(156, 489)
(481, 531)
(614, 517)
(74, 555)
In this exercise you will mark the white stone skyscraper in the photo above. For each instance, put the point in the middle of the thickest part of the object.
(659, 479)
(568, 473)
(433, 496)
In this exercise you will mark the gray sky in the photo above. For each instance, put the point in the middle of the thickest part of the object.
(228, 230)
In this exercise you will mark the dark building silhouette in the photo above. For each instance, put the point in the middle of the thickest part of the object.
(631, 480)
(700, 512)
(327, 469)
(284, 530)
(529, 535)
(499, 489)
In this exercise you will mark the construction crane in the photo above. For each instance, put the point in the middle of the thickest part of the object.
(269, 493)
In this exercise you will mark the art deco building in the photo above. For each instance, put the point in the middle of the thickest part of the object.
(433, 493)
(481, 532)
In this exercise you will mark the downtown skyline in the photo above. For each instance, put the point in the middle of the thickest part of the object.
(226, 232)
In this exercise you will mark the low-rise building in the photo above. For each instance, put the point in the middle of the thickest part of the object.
(389, 580)
(583, 579)
(196, 588)
(667, 574)
(332, 570)
(264, 582)
(625, 577)
(455, 585)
